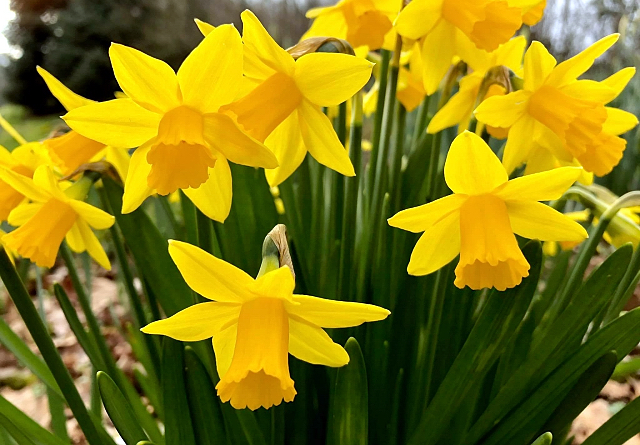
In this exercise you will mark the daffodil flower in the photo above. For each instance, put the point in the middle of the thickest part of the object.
(550, 248)
(183, 140)
(57, 212)
(531, 12)
(480, 219)
(255, 324)
(283, 107)
(362, 23)
(558, 118)
(459, 109)
(23, 160)
(71, 150)
(449, 28)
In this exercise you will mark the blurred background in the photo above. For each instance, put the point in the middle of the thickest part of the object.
(70, 38)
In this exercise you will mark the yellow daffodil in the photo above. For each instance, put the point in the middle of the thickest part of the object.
(255, 324)
(71, 150)
(23, 160)
(532, 12)
(558, 118)
(184, 141)
(449, 28)
(480, 220)
(283, 108)
(459, 109)
(550, 248)
(362, 23)
(57, 212)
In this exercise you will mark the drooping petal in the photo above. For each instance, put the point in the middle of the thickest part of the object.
(224, 343)
(213, 198)
(92, 244)
(534, 220)
(210, 76)
(118, 122)
(458, 108)
(328, 79)
(67, 98)
(288, 146)
(197, 322)
(421, 218)
(95, 217)
(503, 111)
(437, 246)
(211, 277)
(321, 140)
(275, 284)
(571, 69)
(23, 185)
(471, 168)
(418, 18)
(311, 344)
(334, 314)
(74, 239)
(544, 186)
(136, 188)
(437, 53)
(538, 64)
(23, 213)
(149, 82)
(519, 143)
(223, 134)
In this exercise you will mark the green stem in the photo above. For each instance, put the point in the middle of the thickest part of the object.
(434, 161)
(377, 118)
(421, 123)
(41, 337)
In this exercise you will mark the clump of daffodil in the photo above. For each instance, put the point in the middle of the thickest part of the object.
(557, 119)
(284, 105)
(183, 140)
(450, 28)
(366, 24)
(23, 160)
(255, 324)
(70, 150)
(56, 212)
(480, 219)
(459, 109)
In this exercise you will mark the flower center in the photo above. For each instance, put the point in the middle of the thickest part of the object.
(259, 371)
(489, 252)
(179, 157)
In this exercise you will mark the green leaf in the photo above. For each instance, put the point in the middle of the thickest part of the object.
(178, 424)
(348, 413)
(119, 410)
(26, 425)
(497, 322)
(18, 435)
(204, 406)
(151, 254)
(621, 427)
(545, 439)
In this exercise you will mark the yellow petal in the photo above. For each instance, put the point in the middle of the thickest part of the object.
(95, 217)
(93, 246)
(67, 98)
(619, 80)
(511, 53)
(119, 158)
(23, 213)
(23, 185)
(538, 64)
(437, 246)
(275, 284)
(421, 218)
(544, 186)
(204, 27)
(459, 107)
(619, 121)
(210, 76)
(438, 50)
(45, 179)
(209, 276)
(571, 69)
(149, 82)
(223, 134)
(321, 139)
(503, 111)
(74, 239)
(136, 188)
(519, 143)
(471, 168)
(288, 146)
(197, 322)
(118, 122)
(311, 344)
(328, 79)
(213, 198)
(224, 343)
(334, 314)
(534, 220)
(418, 18)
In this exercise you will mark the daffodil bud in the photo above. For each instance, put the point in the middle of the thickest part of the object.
(498, 75)
(275, 251)
(320, 45)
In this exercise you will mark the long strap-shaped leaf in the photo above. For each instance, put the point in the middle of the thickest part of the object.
(621, 427)
(119, 410)
(27, 426)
